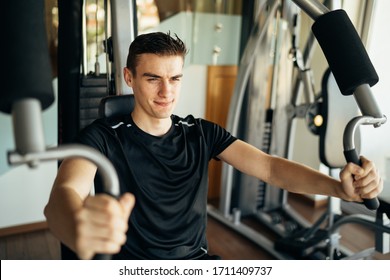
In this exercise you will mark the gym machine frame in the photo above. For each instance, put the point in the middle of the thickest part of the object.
(371, 115)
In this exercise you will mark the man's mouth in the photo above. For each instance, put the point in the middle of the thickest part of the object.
(163, 104)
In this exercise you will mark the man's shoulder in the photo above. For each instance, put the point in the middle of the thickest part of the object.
(103, 126)
(199, 124)
(109, 123)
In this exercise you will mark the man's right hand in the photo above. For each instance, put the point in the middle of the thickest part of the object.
(101, 224)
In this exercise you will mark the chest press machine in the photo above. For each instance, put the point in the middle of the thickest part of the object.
(351, 74)
(25, 100)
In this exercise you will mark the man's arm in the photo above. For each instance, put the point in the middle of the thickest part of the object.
(356, 182)
(86, 224)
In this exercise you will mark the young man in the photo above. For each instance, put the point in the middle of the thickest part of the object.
(162, 163)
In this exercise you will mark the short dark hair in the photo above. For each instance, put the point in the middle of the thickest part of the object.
(159, 43)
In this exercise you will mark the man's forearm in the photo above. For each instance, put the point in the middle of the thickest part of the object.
(298, 178)
(60, 214)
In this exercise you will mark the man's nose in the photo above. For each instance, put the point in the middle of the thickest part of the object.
(165, 89)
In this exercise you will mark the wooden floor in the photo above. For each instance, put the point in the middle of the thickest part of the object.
(230, 245)
(36, 245)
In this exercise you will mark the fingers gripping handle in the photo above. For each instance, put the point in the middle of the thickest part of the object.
(105, 257)
(352, 156)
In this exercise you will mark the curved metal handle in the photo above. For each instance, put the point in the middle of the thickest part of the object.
(350, 152)
(107, 170)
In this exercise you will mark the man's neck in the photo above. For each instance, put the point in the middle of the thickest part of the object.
(153, 126)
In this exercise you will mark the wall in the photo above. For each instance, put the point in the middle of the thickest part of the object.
(24, 193)
(211, 38)
(193, 92)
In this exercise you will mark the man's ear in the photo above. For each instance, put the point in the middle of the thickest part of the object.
(128, 76)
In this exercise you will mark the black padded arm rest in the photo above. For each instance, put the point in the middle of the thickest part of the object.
(384, 206)
(116, 105)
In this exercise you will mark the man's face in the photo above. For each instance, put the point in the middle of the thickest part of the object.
(156, 85)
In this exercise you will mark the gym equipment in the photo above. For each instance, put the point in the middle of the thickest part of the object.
(87, 91)
(297, 239)
(116, 105)
(354, 76)
(26, 98)
(243, 195)
(317, 241)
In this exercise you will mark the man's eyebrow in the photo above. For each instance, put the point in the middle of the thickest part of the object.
(177, 76)
(151, 75)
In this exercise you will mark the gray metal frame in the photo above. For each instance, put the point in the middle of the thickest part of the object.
(31, 148)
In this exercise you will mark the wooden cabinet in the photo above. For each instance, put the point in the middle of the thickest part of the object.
(220, 87)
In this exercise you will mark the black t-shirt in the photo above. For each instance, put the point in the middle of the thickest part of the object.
(168, 176)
